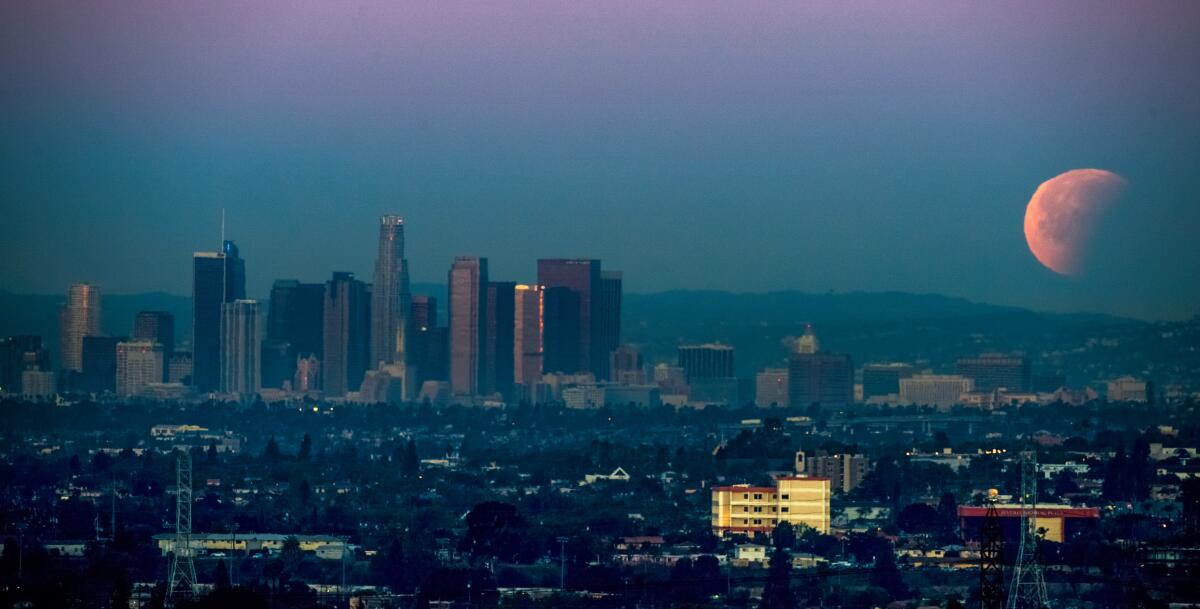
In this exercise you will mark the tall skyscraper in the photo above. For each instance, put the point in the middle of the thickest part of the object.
(581, 352)
(468, 281)
(527, 335)
(295, 329)
(347, 339)
(498, 344)
(138, 363)
(991, 371)
(821, 378)
(391, 300)
(79, 317)
(217, 278)
(608, 325)
(99, 364)
(241, 347)
(157, 327)
(710, 361)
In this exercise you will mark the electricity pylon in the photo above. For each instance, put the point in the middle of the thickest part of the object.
(1027, 590)
(182, 574)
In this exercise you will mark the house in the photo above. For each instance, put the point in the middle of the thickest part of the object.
(617, 475)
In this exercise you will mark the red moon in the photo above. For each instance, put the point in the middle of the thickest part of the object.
(1063, 216)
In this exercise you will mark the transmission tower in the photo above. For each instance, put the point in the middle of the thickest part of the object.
(1027, 589)
(991, 571)
(182, 575)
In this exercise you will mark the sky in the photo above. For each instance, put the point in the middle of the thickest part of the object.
(743, 146)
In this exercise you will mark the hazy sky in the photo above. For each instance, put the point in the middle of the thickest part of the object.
(735, 145)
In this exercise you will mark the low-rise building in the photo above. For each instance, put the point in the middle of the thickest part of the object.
(746, 509)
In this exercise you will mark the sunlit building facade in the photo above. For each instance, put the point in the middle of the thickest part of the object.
(745, 509)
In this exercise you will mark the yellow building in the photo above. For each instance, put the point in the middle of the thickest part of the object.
(742, 508)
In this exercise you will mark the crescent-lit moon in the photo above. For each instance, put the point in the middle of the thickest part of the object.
(1065, 213)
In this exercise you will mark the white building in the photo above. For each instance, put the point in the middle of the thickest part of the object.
(1126, 389)
(771, 387)
(139, 363)
(37, 384)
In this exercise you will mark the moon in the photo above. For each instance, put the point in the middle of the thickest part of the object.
(1064, 214)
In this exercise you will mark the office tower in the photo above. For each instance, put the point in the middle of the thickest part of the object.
(217, 278)
(571, 334)
(139, 363)
(79, 317)
(941, 390)
(295, 329)
(468, 281)
(99, 364)
(424, 311)
(241, 347)
(808, 343)
(672, 379)
(37, 384)
(17, 354)
(845, 471)
(423, 323)
(884, 379)
(180, 368)
(157, 327)
(608, 324)
(347, 339)
(560, 330)
(820, 378)
(498, 343)
(390, 296)
(991, 371)
(710, 361)
(625, 366)
(771, 387)
(527, 336)
(437, 354)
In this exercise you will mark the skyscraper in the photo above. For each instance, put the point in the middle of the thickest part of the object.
(560, 334)
(884, 379)
(138, 363)
(626, 367)
(527, 335)
(157, 327)
(295, 329)
(608, 325)
(710, 361)
(347, 339)
(99, 364)
(821, 378)
(217, 278)
(991, 371)
(391, 300)
(468, 323)
(498, 344)
(79, 317)
(581, 276)
(241, 347)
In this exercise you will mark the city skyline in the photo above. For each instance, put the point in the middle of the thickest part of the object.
(768, 147)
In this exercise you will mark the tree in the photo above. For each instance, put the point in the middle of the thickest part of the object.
(1141, 469)
(1115, 486)
(410, 462)
(211, 454)
(495, 529)
(885, 575)
(272, 450)
(290, 554)
(784, 536)
(918, 518)
(221, 575)
(122, 591)
(305, 447)
(777, 593)
(947, 510)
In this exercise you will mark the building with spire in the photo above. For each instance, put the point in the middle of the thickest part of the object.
(391, 302)
(217, 278)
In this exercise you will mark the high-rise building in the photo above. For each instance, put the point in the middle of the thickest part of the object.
(423, 323)
(424, 311)
(560, 330)
(941, 390)
(992, 371)
(79, 317)
(347, 338)
(527, 335)
(217, 278)
(498, 362)
(608, 324)
(626, 367)
(468, 324)
(139, 363)
(709, 361)
(808, 343)
(99, 372)
(295, 329)
(37, 384)
(771, 387)
(157, 327)
(747, 509)
(308, 374)
(884, 379)
(572, 336)
(820, 378)
(17, 354)
(179, 370)
(844, 471)
(391, 300)
(241, 347)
